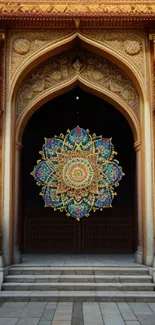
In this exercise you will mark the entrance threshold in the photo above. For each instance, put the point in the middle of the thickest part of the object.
(78, 260)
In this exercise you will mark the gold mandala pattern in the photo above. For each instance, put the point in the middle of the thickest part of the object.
(77, 172)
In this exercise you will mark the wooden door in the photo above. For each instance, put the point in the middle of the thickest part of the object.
(109, 231)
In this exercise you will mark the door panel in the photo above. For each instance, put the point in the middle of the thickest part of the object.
(108, 231)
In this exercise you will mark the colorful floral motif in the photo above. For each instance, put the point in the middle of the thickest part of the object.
(77, 172)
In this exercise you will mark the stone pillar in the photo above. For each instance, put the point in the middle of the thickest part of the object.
(2, 116)
(148, 187)
(139, 251)
(17, 206)
(2, 108)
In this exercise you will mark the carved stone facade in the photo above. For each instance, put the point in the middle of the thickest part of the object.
(115, 61)
(130, 44)
(77, 63)
(22, 45)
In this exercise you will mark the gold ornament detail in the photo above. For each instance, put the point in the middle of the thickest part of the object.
(21, 46)
(77, 62)
(77, 172)
(132, 47)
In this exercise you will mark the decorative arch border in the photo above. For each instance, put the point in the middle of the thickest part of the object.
(67, 42)
(11, 176)
(64, 87)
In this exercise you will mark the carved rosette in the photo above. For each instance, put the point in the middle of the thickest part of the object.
(77, 62)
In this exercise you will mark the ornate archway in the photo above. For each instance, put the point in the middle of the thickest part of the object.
(104, 78)
(112, 230)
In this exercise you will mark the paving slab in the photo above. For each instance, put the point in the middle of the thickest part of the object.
(57, 322)
(48, 315)
(146, 319)
(113, 319)
(8, 321)
(152, 306)
(126, 311)
(132, 323)
(109, 308)
(10, 305)
(77, 315)
(140, 308)
(28, 321)
(44, 322)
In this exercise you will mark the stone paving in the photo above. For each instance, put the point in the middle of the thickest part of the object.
(78, 259)
(77, 313)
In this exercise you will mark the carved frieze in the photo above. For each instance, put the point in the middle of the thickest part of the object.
(70, 8)
(77, 62)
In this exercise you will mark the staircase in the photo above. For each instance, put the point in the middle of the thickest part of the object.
(85, 283)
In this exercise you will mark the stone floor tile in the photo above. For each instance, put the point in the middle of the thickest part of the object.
(48, 315)
(77, 315)
(62, 317)
(65, 304)
(8, 321)
(109, 308)
(140, 308)
(92, 323)
(146, 319)
(57, 322)
(132, 323)
(51, 305)
(10, 305)
(38, 305)
(152, 306)
(20, 313)
(44, 322)
(126, 311)
(113, 319)
(28, 321)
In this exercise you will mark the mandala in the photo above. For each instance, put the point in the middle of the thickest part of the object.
(77, 172)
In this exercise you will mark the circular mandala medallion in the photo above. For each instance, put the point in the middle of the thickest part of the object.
(78, 173)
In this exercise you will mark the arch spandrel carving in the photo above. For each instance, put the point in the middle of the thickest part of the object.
(130, 44)
(23, 44)
(76, 63)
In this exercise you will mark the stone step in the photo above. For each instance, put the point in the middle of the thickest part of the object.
(78, 278)
(79, 270)
(78, 286)
(99, 296)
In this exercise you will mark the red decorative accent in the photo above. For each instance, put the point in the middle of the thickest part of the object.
(78, 129)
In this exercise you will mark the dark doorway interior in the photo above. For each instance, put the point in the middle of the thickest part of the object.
(45, 230)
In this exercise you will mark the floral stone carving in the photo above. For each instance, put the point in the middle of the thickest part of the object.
(77, 172)
(21, 46)
(132, 47)
(77, 62)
